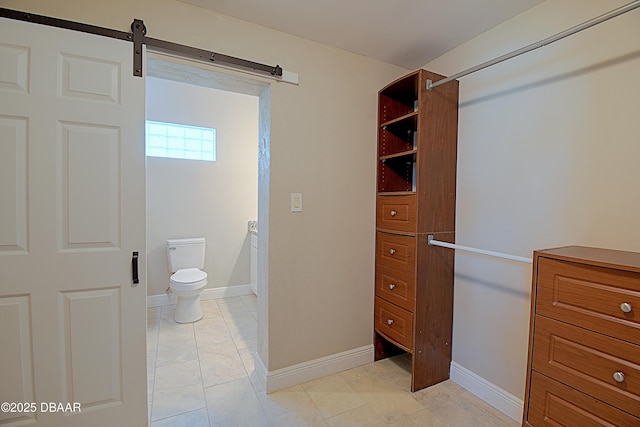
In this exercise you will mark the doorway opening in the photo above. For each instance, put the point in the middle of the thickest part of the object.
(220, 200)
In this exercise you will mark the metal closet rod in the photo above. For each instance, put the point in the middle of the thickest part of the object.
(612, 14)
(432, 242)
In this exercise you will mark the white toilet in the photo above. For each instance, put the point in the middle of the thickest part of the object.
(186, 258)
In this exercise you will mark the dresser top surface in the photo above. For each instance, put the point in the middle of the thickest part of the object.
(609, 258)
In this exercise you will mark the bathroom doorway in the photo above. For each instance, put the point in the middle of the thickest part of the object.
(213, 198)
(216, 200)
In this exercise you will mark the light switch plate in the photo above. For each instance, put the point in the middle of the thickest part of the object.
(296, 202)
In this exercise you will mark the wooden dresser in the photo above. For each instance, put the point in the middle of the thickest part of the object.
(417, 151)
(584, 344)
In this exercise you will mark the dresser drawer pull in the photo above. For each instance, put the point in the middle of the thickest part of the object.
(618, 376)
(394, 213)
(391, 286)
(392, 251)
(626, 307)
(390, 322)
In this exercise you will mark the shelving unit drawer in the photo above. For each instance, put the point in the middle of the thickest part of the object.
(396, 251)
(602, 300)
(398, 287)
(554, 404)
(396, 213)
(394, 322)
(603, 367)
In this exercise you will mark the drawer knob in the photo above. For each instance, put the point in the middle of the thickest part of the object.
(392, 251)
(626, 307)
(390, 322)
(618, 376)
(394, 213)
(391, 286)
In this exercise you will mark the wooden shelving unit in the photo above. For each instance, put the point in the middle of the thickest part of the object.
(417, 153)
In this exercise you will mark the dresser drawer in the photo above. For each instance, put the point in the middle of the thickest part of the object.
(396, 213)
(554, 404)
(394, 323)
(592, 297)
(398, 287)
(396, 251)
(589, 361)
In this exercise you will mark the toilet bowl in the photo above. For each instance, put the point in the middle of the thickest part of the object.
(187, 284)
(186, 258)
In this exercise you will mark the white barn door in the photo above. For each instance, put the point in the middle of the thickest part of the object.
(72, 211)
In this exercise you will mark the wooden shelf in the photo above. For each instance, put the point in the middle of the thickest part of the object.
(396, 173)
(413, 116)
(398, 155)
(398, 136)
(399, 98)
(395, 193)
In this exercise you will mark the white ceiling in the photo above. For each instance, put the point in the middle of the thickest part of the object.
(407, 33)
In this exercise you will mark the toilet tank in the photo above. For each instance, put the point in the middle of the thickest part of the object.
(185, 253)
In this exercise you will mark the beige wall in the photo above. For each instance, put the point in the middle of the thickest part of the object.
(319, 284)
(190, 198)
(549, 144)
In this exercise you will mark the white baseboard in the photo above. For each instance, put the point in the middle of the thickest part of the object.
(207, 293)
(503, 401)
(307, 371)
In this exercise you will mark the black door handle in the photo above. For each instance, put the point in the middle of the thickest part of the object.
(134, 268)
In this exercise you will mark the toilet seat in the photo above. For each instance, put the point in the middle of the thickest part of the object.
(188, 275)
(188, 279)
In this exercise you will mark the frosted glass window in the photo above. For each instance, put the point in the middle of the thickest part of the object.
(180, 141)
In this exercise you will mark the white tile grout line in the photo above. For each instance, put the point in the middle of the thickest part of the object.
(206, 404)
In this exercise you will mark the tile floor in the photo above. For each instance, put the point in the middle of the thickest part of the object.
(202, 374)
